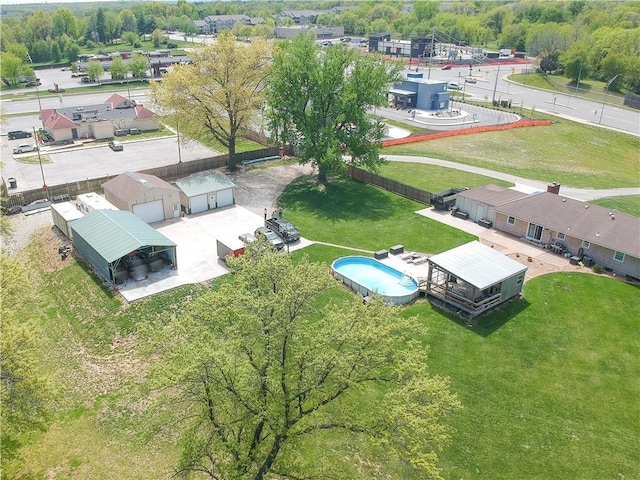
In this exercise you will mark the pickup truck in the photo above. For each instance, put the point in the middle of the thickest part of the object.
(283, 228)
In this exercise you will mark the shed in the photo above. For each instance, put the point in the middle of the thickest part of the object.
(479, 203)
(63, 214)
(199, 193)
(120, 245)
(474, 278)
(146, 196)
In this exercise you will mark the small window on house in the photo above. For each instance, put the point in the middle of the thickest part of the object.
(511, 220)
(520, 278)
(585, 244)
(560, 236)
(618, 256)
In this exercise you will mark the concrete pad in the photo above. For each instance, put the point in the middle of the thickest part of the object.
(197, 258)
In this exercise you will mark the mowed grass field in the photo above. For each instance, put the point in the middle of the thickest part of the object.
(549, 382)
(572, 154)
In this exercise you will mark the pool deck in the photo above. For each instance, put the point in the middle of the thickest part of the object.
(404, 263)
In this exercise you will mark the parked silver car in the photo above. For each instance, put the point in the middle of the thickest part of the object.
(25, 147)
(270, 236)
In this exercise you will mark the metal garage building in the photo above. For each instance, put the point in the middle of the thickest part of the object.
(203, 192)
(107, 239)
(146, 196)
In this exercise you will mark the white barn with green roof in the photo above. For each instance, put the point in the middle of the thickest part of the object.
(202, 192)
(109, 239)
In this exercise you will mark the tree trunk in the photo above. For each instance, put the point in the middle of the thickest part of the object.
(232, 154)
(322, 175)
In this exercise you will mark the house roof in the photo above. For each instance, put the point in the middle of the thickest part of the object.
(116, 233)
(131, 186)
(491, 194)
(115, 108)
(598, 225)
(201, 184)
(477, 264)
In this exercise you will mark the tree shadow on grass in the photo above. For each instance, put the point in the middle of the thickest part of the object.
(488, 323)
(341, 199)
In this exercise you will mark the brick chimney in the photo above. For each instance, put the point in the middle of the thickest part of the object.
(554, 188)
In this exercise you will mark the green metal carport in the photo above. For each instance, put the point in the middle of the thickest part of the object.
(106, 237)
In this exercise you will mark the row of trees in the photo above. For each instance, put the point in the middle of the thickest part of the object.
(560, 33)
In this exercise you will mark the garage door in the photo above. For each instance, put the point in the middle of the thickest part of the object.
(225, 198)
(149, 212)
(199, 204)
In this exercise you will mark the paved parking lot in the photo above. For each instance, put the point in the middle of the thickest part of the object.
(71, 164)
(195, 237)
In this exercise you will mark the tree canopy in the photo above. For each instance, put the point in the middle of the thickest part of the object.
(328, 116)
(219, 94)
(24, 390)
(264, 371)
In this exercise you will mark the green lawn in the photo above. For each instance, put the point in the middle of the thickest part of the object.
(433, 178)
(572, 154)
(549, 382)
(627, 204)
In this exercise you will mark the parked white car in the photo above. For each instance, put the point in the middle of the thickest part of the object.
(470, 80)
(25, 147)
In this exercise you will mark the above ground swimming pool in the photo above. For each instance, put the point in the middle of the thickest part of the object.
(366, 276)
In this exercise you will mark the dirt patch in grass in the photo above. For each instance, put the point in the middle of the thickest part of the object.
(47, 241)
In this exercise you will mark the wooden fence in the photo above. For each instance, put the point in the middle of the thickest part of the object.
(166, 172)
(412, 193)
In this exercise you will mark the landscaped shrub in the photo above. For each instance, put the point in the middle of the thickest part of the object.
(597, 268)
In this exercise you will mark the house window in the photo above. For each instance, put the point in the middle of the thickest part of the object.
(560, 236)
(511, 220)
(520, 278)
(618, 256)
(585, 244)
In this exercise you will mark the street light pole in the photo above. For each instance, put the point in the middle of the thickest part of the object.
(495, 87)
(609, 83)
(37, 91)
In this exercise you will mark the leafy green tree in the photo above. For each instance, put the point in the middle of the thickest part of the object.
(56, 54)
(138, 66)
(94, 70)
(611, 66)
(130, 37)
(425, 10)
(157, 38)
(40, 51)
(11, 68)
(118, 69)
(327, 116)
(100, 24)
(71, 51)
(129, 21)
(547, 42)
(575, 61)
(24, 390)
(65, 22)
(113, 26)
(263, 371)
(219, 94)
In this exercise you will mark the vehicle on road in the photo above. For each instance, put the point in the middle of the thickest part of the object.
(446, 67)
(283, 228)
(116, 146)
(19, 134)
(270, 237)
(25, 147)
(454, 86)
(470, 80)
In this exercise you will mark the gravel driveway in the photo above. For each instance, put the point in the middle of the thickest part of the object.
(256, 189)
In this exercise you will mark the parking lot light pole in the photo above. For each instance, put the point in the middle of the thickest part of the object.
(37, 91)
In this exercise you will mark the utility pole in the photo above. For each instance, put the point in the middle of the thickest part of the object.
(495, 87)
(44, 183)
(609, 83)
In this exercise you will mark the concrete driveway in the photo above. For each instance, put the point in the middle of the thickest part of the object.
(195, 237)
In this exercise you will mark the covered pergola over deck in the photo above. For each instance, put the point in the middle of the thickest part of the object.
(474, 278)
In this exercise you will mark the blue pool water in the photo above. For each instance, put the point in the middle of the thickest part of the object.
(367, 276)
